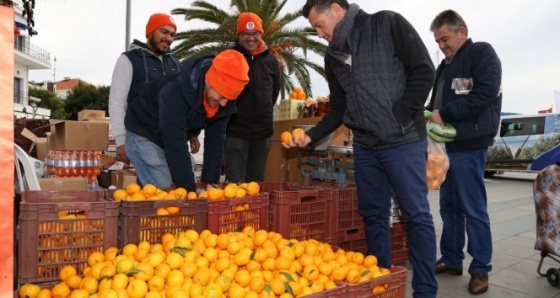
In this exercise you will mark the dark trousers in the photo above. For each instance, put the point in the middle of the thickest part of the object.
(401, 169)
(246, 159)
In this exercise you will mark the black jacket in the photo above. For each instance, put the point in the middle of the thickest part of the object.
(476, 115)
(253, 120)
(381, 94)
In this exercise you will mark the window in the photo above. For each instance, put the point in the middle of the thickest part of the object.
(523, 126)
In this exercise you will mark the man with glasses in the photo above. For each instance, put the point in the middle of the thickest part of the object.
(250, 130)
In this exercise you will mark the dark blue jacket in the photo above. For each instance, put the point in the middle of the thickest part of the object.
(169, 112)
(147, 67)
(476, 115)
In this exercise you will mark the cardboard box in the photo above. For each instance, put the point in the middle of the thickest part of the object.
(89, 115)
(122, 178)
(289, 109)
(40, 143)
(80, 135)
(63, 183)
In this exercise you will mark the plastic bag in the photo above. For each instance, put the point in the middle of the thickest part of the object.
(437, 164)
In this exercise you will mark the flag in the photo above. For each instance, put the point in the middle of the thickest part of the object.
(546, 111)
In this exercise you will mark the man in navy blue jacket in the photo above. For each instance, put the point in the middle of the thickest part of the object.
(173, 110)
(467, 95)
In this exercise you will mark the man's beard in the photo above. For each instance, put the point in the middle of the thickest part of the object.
(154, 47)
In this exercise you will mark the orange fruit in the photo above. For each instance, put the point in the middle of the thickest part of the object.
(286, 138)
(146, 271)
(90, 284)
(181, 193)
(44, 293)
(119, 195)
(149, 190)
(173, 209)
(156, 283)
(277, 286)
(73, 281)
(67, 271)
(253, 188)
(353, 276)
(60, 290)
(29, 291)
(298, 134)
(192, 195)
(242, 277)
(137, 288)
(201, 277)
(132, 188)
(369, 261)
(215, 194)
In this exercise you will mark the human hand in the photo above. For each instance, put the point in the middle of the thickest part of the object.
(195, 145)
(121, 155)
(288, 140)
(436, 118)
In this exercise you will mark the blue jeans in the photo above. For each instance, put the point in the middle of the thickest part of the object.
(246, 159)
(148, 160)
(401, 169)
(463, 206)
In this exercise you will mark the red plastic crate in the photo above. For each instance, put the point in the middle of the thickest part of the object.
(223, 219)
(139, 222)
(299, 213)
(345, 218)
(396, 286)
(355, 240)
(399, 243)
(46, 243)
(337, 292)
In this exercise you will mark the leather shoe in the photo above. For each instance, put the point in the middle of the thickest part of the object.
(441, 267)
(478, 283)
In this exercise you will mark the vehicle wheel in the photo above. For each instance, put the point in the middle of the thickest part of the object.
(488, 174)
(553, 277)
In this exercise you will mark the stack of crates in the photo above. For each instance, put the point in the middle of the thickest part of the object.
(60, 228)
(298, 213)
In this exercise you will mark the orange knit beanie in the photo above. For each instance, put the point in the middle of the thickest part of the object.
(249, 21)
(228, 74)
(158, 20)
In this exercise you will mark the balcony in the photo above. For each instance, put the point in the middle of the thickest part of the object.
(31, 55)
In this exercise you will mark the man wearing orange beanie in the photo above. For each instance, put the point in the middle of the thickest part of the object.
(174, 109)
(249, 131)
(136, 68)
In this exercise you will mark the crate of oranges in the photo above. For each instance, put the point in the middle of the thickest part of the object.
(391, 283)
(60, 228)
(232, 207)
(147, 213)
(297, 212)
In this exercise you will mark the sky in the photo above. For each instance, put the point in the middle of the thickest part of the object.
(87, 36)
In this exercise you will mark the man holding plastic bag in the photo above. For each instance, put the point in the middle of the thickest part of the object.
(466, 95)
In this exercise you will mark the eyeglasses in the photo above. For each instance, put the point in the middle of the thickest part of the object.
(255, 34)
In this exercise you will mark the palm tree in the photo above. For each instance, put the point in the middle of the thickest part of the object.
(289, 45)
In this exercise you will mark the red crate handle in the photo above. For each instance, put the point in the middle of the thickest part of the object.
(307, 196)
(80, 206)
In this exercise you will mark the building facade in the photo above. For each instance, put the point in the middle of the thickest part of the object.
(28, 57)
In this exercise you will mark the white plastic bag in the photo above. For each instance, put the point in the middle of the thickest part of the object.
(437, 164)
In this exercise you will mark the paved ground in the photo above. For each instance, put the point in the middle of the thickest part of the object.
(515, 261)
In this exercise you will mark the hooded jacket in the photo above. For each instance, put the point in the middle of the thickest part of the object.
(169, 112)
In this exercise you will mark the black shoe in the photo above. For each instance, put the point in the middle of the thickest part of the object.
(441, 267)
(478, 283)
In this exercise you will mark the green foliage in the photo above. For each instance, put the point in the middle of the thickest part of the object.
(86, 97)
(50, 101)
(289, 45)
